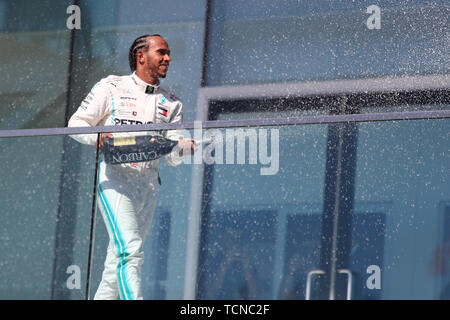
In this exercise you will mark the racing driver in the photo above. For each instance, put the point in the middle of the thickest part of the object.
(127, 193)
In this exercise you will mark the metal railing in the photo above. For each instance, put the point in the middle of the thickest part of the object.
(305, 120)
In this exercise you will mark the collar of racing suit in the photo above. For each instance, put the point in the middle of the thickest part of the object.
(142, 85)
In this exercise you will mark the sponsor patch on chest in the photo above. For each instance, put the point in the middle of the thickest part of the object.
(127, 104)
(122, 121)
(126, 113)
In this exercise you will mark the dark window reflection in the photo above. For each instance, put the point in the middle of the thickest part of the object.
(238, 255)
(302, 254)
(440, 266)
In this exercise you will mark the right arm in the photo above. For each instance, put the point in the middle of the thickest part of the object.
(93, 109)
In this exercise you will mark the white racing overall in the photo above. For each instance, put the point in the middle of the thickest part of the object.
(127, 193)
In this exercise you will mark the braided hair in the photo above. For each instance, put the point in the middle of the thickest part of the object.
(139, 43)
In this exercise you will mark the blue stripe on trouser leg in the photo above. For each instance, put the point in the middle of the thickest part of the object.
(124, 288)
(127, 208)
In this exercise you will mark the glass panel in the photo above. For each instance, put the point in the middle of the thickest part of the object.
(401, 227)
(110, 27)
(281, 229)
(262, 223)
(34, 57)
(265, 41)
(268, 198)
(46, 196)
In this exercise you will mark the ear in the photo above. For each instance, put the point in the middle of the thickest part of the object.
(140, 57)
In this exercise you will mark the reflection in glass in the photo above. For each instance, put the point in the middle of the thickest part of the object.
(266, 42)
(401, 191)
(46, 205)
(240, 255)
(35, 60)
(260, 231)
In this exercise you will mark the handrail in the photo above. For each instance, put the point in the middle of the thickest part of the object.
(320, 119)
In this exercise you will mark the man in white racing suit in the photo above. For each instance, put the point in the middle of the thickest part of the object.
(127, 193)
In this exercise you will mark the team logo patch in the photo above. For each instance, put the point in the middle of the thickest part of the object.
(162, 99)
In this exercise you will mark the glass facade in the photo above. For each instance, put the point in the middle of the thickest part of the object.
(335, 208)
(35, 50)
(263, 41)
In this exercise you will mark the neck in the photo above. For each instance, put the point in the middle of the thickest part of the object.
(147, 77)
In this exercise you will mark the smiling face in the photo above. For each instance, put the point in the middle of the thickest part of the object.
(153, 63)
